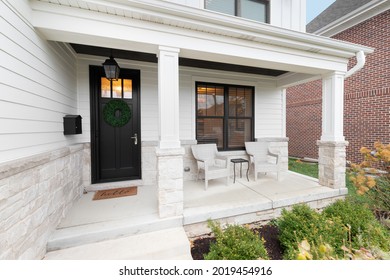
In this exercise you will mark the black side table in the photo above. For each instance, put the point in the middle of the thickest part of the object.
(240, 161)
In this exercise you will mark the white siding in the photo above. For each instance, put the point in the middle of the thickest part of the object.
(269, 113)
(187, 106)
(289, 14)
(37, 87)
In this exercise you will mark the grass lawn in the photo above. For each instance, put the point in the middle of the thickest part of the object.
(311, 169)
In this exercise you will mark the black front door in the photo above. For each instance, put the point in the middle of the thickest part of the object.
(115, 126)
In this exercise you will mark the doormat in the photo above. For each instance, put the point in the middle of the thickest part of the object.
(114, 193)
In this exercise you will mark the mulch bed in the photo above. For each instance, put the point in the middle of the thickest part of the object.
(270, 233)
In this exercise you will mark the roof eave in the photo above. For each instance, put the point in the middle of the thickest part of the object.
(226, 25)
(353, 18)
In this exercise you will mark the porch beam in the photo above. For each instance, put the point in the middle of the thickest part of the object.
(293, 79)
(168, 97)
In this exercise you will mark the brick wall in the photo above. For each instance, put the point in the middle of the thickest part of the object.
(367, 97)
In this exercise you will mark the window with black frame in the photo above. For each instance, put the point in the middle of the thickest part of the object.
(224, 115)
(257, 10)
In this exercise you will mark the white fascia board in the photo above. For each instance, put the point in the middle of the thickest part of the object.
(357, 16)
(130, 34)
(225, 25)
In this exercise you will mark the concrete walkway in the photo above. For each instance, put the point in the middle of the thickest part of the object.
(168, 244)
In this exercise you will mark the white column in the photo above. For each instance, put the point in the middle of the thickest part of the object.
(333, 107)
(168, 97)
(169, 152)
(332, 146)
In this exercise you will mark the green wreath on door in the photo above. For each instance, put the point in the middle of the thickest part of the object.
(110, 113)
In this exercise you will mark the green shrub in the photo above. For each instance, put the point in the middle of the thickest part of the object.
(303, 223)
(365, 230)
(379, 196)
(235, 243)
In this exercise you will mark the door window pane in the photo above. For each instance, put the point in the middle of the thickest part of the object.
(222, 6)
(106, 88)
(127, 89)
(117, 88)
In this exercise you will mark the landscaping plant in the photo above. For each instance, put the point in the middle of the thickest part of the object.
(303, 223)
(364, 229)
(235, 242)
(372, 179)
(344, 230)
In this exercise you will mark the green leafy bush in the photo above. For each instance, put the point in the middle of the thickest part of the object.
(365, 230)
(235, 243)
(371, 179)
(303, 223)
(379, 200)
(380, 196)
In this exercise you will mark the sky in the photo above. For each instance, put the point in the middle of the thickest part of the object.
(315, 7)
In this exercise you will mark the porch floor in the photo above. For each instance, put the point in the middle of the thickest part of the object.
(92, 221)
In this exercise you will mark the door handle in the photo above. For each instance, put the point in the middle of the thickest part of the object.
(135, 137)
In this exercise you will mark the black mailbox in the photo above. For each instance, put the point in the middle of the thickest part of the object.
(72, 124)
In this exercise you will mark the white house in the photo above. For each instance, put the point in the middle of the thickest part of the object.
(184, 65)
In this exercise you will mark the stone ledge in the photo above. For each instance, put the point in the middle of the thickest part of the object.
(332, 143)
(13, 167)
(149, 143)
(152, 143)
(188, 142)
(169, 152)
(272, 139)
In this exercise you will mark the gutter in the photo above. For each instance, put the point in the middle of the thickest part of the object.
(360, 61)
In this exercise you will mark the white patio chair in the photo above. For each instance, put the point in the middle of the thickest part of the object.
(208, 160)
(259, 155)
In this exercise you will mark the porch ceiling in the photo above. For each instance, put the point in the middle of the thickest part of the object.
(199, 34)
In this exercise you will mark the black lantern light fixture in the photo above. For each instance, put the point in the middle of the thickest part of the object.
(111, 68)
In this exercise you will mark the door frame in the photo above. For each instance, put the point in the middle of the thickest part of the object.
(94, 72)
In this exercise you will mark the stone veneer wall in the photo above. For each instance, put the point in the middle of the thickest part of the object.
(332, 163)
(149, 161)
(278, 145)
(189, 163)
(35, 194)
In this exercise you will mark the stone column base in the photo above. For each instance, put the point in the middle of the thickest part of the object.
(170, 182)
(332, 163)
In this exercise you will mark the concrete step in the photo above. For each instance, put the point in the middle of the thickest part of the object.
(73, 236)
(167, 244)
